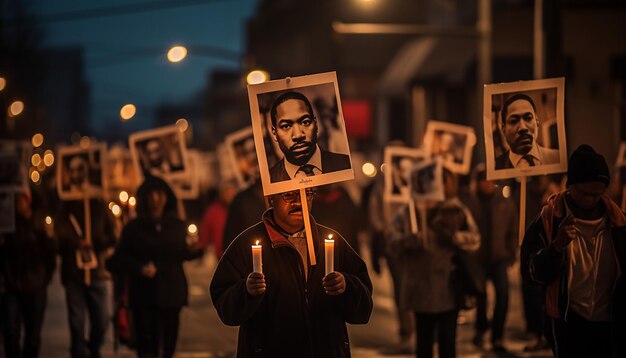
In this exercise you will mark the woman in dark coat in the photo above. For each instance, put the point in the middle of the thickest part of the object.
(151, 253)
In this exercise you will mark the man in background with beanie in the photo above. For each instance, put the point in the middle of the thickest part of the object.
(576, 248)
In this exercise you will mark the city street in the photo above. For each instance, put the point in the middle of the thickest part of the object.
(203, 335)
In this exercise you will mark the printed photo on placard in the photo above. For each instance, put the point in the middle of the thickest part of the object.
(121, 172)
(15, 159)
(81, 172)
(426, 180)
(283, 112)
(398, 163)
(513, 115)
(161, 152)
(621, 156)
(188, 187)
(7, 208)
(242, 154)
(452, 142)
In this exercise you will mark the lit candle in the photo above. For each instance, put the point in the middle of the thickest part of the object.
(257, 261)
(329, 250)
(49, 228)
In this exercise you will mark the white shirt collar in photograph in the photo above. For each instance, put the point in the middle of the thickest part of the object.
(518, 160)
(315, 161)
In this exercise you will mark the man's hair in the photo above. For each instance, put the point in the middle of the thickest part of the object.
(513, 98)
(285, 97)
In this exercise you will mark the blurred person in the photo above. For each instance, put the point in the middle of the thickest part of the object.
(380, 220)
(27, 262)
(497, 221)
(294, 128)
(85, 298)
(244, 211)
(292, 309)
(430, 283)
(151, 253)
(575, 249)
(214, 218)
(520, 126)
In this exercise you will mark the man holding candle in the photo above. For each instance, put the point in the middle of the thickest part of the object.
(291, 309)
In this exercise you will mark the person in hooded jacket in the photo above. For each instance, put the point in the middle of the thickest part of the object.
(292, 308)
(151, 253)
(27, 261)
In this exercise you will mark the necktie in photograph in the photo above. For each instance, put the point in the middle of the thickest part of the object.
(529, 159)
(307, 169)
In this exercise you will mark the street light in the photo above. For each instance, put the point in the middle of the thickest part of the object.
(127, 112)
(257, 76)
(177, 54)
(16, 108)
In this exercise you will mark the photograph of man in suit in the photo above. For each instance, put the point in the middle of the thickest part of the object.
(520, 126)
(78, 176)
(294, 128)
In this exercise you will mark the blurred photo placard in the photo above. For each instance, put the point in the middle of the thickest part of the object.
(14, 164)
(452, 142)
(121, 172)
(288, 129)
(81, 172)
(242, 154)
(161, 152)
(188, 187)
(398, 163)
(515, 114)
(426, 180)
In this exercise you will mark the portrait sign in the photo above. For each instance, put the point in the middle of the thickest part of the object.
(283, 112)
(14, 164)
(187, 187)
(81, 172)
(426, 180)
(121, 172)
(452, 142)
(513, 115)
(398, 164)
(161, 152)
(7, 205)
(242, 154)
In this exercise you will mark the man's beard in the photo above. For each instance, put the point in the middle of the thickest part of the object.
(302, 156)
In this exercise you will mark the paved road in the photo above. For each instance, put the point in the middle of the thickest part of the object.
(203, 335)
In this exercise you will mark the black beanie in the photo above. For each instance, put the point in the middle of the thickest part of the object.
(585, 165)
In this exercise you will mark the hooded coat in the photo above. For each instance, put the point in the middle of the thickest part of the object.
(161, 242)
(294, 317)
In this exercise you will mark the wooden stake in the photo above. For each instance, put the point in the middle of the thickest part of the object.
(87, 208)
(424, 223)
(413, 217)
(307, 226)
(522, 209)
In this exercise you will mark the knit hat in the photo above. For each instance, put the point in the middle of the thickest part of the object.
(585, 165)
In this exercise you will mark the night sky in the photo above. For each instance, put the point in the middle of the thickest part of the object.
(125, 48)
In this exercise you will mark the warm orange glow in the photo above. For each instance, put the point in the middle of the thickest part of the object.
(116, 210)
(111, 204)
(85, 142)
(123, 197)
(35, 159)
(132, 201)
(257, 76)
(192, 229)
(127, 112)
(369, 169)
(182, 124)
(35, 176)
(3, 83)
(16, 108)
(37, 140)
(48, 158)
(257, 243)
(176, 54)
(48, 220)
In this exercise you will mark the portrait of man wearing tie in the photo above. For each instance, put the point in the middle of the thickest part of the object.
(520, 126)
(294, 127)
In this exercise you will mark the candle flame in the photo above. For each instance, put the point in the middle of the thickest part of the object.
(257, 242)
(330, 236)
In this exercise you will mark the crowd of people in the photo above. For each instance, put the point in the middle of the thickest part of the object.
(570, 261)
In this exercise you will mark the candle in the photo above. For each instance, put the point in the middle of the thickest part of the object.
(257, 261)
(329, 250)
(49, 228)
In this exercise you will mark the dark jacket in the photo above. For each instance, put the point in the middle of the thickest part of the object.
(102, 237)
(542, 264)
(331, 162)
(163, 243)
(27, 257)
(294, 317)
(244, 211)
